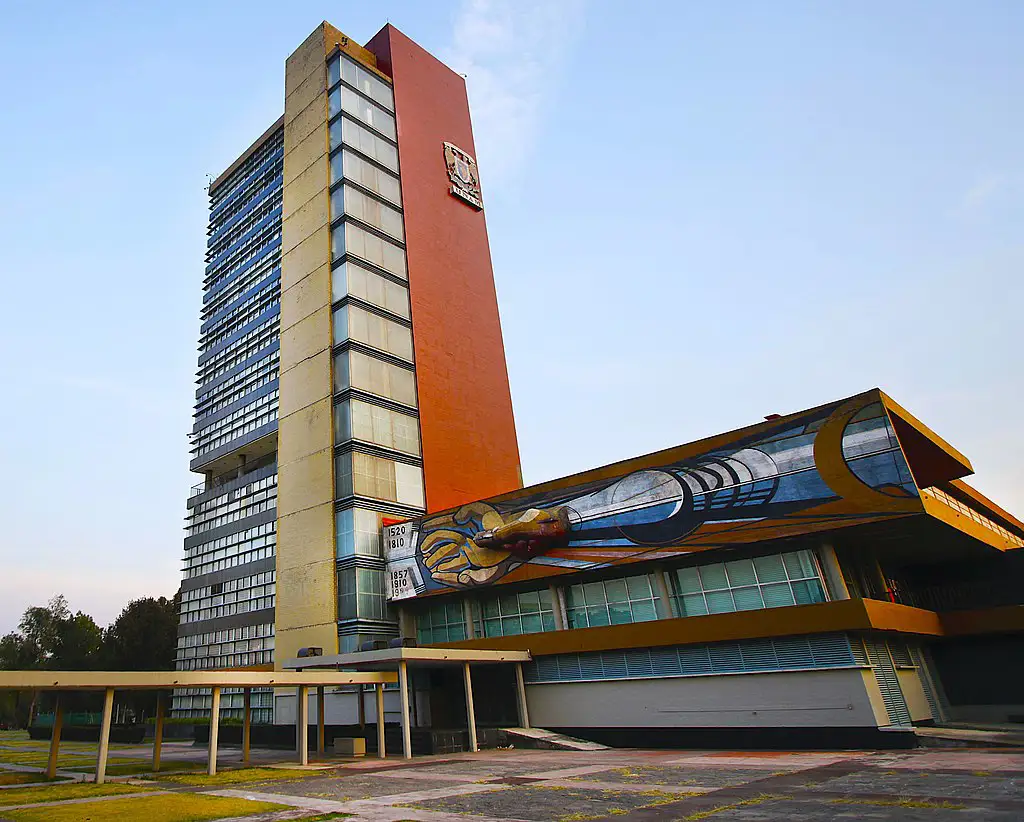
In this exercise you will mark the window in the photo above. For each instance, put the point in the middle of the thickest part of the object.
(357, 532)
(353, 369)
(748, 584)
(364, 141)
(378, 478)
(352, 323)
(528, 612)
(343, 99)
(349, 166)
(615, 602)
(350, 239)
(361, 593)
(349, 278)
(441, 623)
(351, 201)
(368, 83)
(360, 420)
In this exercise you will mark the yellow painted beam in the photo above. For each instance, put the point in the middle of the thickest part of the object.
(157, 680)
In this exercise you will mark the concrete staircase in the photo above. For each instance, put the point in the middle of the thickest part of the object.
(968, 735)
(548, 740)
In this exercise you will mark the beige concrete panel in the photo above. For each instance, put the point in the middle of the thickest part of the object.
(307, 338)
(304, 222)
(913, 693)
(306, 383)
(305, 258)
(305, 536)
(306, 296)
(309, 431)
(289, 640)
(304, 60)
(305, 483)
(305, 93)
(305, 152)
(306, 595)
(307, 184)
(875, 696)
(303, 124)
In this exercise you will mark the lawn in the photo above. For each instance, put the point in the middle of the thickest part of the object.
(58, 793)
(236, 777)
(17, 778)
(174, 807)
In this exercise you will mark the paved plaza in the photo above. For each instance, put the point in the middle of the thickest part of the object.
(937, 785)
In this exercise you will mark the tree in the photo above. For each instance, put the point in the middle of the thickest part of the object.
(143, 638)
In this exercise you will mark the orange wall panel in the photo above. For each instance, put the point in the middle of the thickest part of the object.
(467, 427)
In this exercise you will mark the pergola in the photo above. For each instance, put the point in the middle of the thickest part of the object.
(399, 659)
(110, 681)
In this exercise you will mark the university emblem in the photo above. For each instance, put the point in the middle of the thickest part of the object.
(462, 173)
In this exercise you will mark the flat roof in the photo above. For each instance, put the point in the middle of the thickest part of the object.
(388, 658)
(245, 155)
(158, 680)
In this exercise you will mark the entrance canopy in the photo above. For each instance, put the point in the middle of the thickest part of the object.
(390, 659)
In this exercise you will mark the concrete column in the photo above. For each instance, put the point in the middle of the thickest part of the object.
(467, 678)
(211, 756)
(104, 746)
(58, 722)
(158, 730)
(558, 605)
(403, 692)
(833, 572)
(664, 593)
(246, 724)
(362, 709)
(467, 616)
(302, 725)
(320, 739)
(380, 720)
(524, 712)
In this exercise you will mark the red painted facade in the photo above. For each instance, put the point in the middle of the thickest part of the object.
(467, 426)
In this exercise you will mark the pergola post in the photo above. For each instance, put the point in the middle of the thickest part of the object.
(158, 730)
(302, 725)
(211, 765)
(320, 741)
(362, 709)
(524, 712)
(58, 722)
(104, 746)
(246, 724)
(403, 692)
(467, 678)
(380, 719)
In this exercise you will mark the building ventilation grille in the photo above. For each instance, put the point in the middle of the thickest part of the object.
(888, 683)
(822, 651)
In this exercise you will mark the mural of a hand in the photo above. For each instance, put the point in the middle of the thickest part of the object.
(453, 558)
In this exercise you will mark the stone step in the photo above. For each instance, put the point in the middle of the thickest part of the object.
(543, 738)
(941, 737)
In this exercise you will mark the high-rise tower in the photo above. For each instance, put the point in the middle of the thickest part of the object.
(352, 370)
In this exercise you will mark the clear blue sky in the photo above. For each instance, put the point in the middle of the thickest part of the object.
(700, 213)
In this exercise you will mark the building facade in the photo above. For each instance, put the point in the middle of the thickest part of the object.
(350, 361)
(822, 578)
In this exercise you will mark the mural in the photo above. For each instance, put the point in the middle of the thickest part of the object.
(832, 466)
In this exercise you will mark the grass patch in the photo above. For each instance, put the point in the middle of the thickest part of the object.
(11, 778)
(901, 803)
(174, 807)
(757, 800)
(58, 793)
(238, 776)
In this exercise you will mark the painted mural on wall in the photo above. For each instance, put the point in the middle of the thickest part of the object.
(833, 466)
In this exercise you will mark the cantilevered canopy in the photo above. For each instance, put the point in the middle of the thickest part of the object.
(157, 680)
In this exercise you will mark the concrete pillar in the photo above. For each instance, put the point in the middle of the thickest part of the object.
(246, 724)
(403, 692)
(211, 756)
(558, 606)
(104, 746)
(467, 617)
(380, 720)
(302, 725)
(362, 709)
(320, 739)
(467, 678)
(58, 722)
(833, 572)
(158, 730)
(664, 594)
(524, 712)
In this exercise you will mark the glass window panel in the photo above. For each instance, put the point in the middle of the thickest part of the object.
(344, 530)
(341, 330)
(770, 569)
(529, 603)
(352, 167)
(619, 613)
(800, 565)
(615, 591)
(741, 572)
(777, 595)
(532, 623)
(343, 475)
(644, 611)
(490, 608)
(574, 596)
(364, 111)
(719, 602)
(378, 377)
(410, 484)
(342, 423)
(349, 278)
(353, 202)
(577, 617)
(368, 83)
(333, 71)
(747, 599)
(341, 373)
(597, 615)
(808, 592)
(547, 620)
(333, 103)
(365, 141)
(713, 577)
(639, 587)
(687, 580)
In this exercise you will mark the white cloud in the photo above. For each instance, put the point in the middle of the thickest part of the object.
(510, 52)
